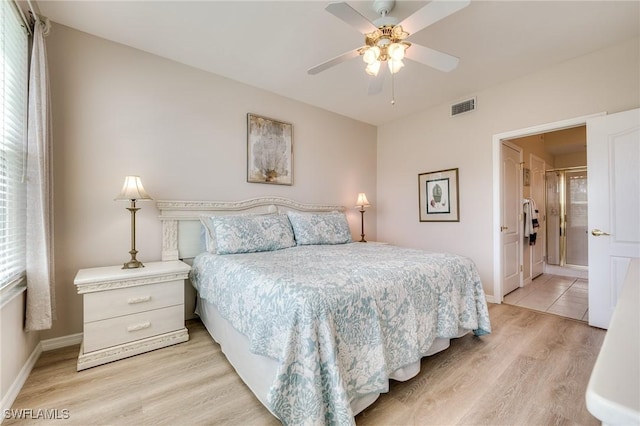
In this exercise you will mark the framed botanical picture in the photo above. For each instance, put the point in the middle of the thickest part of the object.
(438, 196)
(526, 177)
(269, 151)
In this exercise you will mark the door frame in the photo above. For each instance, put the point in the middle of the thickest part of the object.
(497, 185)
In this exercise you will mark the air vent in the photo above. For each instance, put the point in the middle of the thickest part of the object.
(463, 107)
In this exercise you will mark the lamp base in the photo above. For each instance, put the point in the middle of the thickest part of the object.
(132, 264)
(362, 240)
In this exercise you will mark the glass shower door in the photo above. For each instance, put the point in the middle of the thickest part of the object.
(553, 218)
(576, 218)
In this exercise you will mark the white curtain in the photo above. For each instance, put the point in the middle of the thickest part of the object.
(40, 273)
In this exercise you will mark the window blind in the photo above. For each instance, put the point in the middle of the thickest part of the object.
(13, 90)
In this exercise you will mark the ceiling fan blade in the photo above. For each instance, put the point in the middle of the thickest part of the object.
(351, 16)
(333, 62)
(433, 58)
(432, 13)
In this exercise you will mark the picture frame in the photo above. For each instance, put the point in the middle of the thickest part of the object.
(438, 197)
(269, 151)
(526, 177)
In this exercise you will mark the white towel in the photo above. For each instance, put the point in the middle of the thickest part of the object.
(529, 212)
(534, 210)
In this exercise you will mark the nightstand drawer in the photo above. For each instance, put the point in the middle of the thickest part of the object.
(115, 331)
(125, 301)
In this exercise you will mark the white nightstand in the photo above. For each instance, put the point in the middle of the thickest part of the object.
(131, 311)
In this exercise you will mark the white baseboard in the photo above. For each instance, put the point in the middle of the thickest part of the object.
(61, 342)
(43, 346)
(490, 299)
(16, 386)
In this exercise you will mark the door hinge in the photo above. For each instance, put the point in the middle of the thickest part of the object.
(521, 268)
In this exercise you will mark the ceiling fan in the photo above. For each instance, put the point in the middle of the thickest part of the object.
(385, 37)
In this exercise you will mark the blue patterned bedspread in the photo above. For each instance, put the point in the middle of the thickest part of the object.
(340, 318)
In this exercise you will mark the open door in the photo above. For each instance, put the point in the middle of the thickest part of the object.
(613, 161)
(511, 209)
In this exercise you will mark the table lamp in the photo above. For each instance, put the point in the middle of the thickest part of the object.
(133, 191)
(362, 202)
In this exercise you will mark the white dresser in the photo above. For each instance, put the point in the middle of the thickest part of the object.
(613, 393)
(131, 311)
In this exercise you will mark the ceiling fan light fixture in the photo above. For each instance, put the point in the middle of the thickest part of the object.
(373, 68)
(395, 65)
(371, 55)
(396, 51)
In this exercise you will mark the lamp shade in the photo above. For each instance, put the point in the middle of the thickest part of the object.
(371, 55)
(395, 65)
(396, 51)
(362, 200)
(373, 68)
(133, 190)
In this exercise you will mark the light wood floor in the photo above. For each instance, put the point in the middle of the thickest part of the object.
(532, 370)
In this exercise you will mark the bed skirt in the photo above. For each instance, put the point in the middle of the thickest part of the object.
(258, 372)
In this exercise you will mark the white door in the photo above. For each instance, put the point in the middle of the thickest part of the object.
(613, 161)
(511, 208)
(538, 169)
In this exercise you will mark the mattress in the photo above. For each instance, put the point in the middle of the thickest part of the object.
(339, 320)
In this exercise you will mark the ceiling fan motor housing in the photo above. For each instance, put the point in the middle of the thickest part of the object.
(383, 7)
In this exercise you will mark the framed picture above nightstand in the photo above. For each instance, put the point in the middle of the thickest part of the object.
(131, 311)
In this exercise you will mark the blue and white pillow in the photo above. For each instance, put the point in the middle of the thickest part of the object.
(320, 228)
(248, 233)
(208, 234)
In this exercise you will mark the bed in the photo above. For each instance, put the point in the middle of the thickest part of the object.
(315, 324)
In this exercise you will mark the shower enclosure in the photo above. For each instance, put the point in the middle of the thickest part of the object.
(567, 239)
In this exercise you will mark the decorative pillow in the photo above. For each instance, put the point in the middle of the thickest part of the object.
(208, 234)
(248, 233)
(320, 228)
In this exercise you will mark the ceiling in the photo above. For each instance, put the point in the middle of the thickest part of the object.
(271, 44)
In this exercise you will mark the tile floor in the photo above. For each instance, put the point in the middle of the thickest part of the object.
(555, 294)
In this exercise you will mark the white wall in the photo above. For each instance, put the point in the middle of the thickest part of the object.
(606, 80)
(119, 111)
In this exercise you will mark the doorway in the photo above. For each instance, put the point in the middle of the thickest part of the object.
(554, 263)
(498, 139)
(614, 204)
(555, 183)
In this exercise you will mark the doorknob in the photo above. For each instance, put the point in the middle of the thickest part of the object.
(503, 228)
(598, 233)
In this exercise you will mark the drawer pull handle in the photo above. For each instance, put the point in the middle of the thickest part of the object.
(135, 300)
(140, 326)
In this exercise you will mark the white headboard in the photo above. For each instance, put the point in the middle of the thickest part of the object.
(181, 219)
